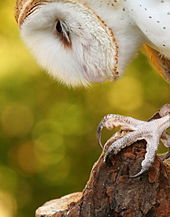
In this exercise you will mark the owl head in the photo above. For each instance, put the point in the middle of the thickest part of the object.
(69, 40)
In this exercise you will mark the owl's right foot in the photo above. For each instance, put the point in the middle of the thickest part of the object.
(151, 132)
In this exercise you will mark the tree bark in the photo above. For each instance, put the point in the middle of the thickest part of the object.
(111, 192)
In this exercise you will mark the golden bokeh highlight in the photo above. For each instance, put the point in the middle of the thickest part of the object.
(8, 205)
(126, 94)
(16, 120)
(26, 158)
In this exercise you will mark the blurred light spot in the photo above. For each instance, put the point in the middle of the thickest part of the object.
(24, 194)
(48, 143)
(126, 94)
(16, 120)
(26, 158)
(72, 121)
(7, 205)
(49, 149)
(57, 173)
(46, 126)
(8, 179)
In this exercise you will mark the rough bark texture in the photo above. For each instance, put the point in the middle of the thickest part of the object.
(110, 192)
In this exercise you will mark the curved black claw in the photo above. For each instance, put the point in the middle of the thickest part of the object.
(138, 174)
(101, 125)
(99, 133)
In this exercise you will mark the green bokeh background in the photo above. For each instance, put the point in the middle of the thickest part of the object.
(47, 131)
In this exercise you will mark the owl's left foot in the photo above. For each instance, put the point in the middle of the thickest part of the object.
(151, 132)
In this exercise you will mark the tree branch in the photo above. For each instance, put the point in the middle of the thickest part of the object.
(110, 192)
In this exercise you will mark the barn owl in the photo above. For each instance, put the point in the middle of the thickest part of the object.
(84, 41)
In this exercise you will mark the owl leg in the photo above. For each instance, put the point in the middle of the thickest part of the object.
(150, 131)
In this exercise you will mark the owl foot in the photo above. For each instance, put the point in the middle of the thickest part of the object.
(135, 130)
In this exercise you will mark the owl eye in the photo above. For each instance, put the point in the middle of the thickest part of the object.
(63, 32)
(59, 27)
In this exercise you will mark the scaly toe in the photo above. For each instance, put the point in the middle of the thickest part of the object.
(149, 131)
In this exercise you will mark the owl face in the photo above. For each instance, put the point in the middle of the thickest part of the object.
(69, 40)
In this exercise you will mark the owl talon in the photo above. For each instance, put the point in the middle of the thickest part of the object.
(99, 133)
(112, 121)
(150, 131)
(138, 174)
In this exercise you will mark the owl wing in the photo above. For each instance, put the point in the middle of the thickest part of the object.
(159, 61)
(153, 19)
